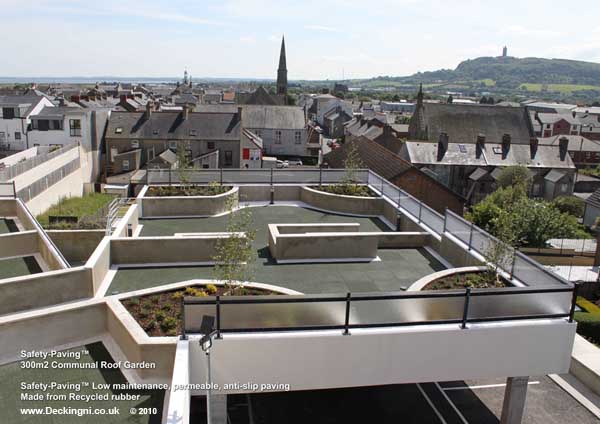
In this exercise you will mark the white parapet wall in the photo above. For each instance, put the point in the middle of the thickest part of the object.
(328, 359)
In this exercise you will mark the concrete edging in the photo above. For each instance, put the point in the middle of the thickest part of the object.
(179, 206)
(421, 283)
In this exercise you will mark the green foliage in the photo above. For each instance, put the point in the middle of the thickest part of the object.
(572, 205)
(509, 213)
(81, 207)
(169, 323)
(160, 316)
(212, 189)
(594, 172)
(588, 321)
(515, 175)
(211, 289)
(235, 255)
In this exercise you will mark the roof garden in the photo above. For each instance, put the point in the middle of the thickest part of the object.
(395, 269)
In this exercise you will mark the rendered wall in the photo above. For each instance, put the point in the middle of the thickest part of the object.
(76, 245)
(372, 206)
(322, 360)
(186, 205)
(18, 244)
(149, 250)
(44, 289)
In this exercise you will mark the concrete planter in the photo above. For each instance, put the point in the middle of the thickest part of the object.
(185, 206)
(350, 205)
(423, 282)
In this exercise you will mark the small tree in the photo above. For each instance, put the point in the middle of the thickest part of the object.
(183, 166)
(499, 254)
(515, 175)
(235, 254)
(352, 163)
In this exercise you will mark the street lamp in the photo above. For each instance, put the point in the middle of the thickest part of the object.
(207, 327)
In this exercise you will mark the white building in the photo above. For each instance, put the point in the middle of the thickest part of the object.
(15, 119)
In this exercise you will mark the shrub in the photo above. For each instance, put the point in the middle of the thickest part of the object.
(150, 325)
(134, 301)
(167, 307)
(155, 299)
(588, 322)
(160, 316)
(570, 204)
(168, 324)
(211, 289)
(144, 313)
(178, 295)
(190, 291)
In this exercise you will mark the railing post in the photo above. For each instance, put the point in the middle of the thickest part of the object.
(466, 309)
(512, 266)
(445, 217)
(320, 176)
(271, 177)
(218, 305)
(170, 176)
(381, 187)
(183, 335)
(471, 235)
(347, 320)
(420, 209)
(573, 302)
(221, 176)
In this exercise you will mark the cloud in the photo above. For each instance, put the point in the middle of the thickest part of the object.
(322, 28)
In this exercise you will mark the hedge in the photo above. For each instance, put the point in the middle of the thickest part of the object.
(588, 322)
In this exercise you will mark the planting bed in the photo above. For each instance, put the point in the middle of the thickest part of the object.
(190, 190)
(475, 280)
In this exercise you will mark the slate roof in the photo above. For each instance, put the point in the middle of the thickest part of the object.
(594, 199)
(555, 175)
(463, 123)
(478, 174)
(373, 156)
(263, 117)
(11, 100)
(58, 112)
(172, 126)
(576, 143)
(260, 97)
(425, 153)
(551, 118)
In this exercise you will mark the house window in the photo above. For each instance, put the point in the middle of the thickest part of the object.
(135, 144)
(277, 137)
(173, 144)
(55, 124)
(118, 130)
(255, 154)
(155, 132)
(151, 153)
(536, 189)
(258, 133)
(125, 165)
(75, 127)
(564, 187)
(2, 136)
(228, 158)
(42, 125)
(17, 135)
(210, 145)
(8, 113)
(298, 137)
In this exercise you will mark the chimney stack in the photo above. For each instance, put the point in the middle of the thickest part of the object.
(185, 111)
(563, 146)
(479, 145)
(149, 106)
(533, 146)
(239, 113)
(442, 146)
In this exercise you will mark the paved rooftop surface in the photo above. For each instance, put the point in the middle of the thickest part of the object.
(467, 402)
(397, 269)
(7, 226)
(12, 375)
(16, 267)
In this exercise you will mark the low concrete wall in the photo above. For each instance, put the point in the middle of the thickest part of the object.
(322, 246)
(131, 217)
(8, 207)
(263, 193)
(45, 289)
(421, 283)
(370, 206)
(49, 253)
(47, 330)
(390, 240)
(76, 245)
(18, 244)
(172, 206)
(150, 250)
(99, 263)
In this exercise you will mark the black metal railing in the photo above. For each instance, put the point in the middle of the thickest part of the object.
(245, 314)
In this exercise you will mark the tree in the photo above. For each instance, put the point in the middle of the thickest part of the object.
(450, 99)
(483, 100)
(515, 175)
(396, 98)
(570, 204)
(183, 165)
(352, 163)
(235, 254)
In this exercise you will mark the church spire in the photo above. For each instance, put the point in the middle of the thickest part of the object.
(282, 70)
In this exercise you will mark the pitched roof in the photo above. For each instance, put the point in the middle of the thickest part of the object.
(551, 118)
(594, 199)
(555, 175)
(260, 96)
(171, 125)
(263, 116)
(463, 122)
(576, 143)
(373, 156)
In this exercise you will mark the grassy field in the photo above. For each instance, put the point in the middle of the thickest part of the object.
(77, 206)
(561, 88)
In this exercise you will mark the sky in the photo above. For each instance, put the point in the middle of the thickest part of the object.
(325, 39)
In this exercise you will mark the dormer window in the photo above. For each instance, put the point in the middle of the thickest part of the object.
(193, 133)
(155, 132)
(119, 130)
(135, 144)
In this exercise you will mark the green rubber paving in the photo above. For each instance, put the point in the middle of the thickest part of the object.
(16, 267)
(8, 226)
(397, 269)
(13, 376)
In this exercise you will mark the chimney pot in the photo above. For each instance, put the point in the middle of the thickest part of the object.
(149, 106)
(563, 146)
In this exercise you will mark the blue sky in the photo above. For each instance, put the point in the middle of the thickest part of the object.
(324, 39)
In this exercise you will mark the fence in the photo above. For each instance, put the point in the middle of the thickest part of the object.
(42, 184)
(236, 314)
(517, 265)
(45, 154)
